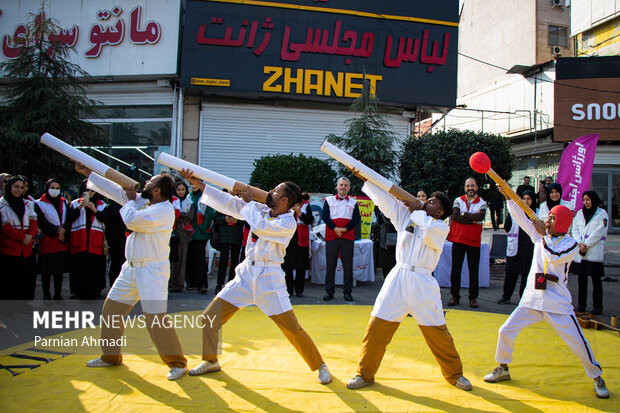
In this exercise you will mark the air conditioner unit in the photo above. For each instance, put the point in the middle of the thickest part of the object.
(556, 51)
(556, 3)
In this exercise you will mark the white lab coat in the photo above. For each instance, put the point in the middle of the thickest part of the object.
(593, 235)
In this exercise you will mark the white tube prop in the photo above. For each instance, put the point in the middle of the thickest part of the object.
(91, 163)
(209, 175)
(350, 162)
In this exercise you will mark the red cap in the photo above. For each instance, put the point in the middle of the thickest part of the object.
(563, 218)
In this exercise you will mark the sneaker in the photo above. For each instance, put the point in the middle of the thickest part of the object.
(358, 382)
(473, 303)
(176, 373)
(98, 363)
(203, 290)
(205, 367)
(504, 301)
(348, 297)
(300, 295)
(463, 384)
(454, 301)
(324, 375)
(600, 389)
(498, 374)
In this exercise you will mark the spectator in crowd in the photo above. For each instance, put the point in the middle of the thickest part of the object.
(496, 206)
(524, 187)
(244, 242)
(19, 229)
(181, 236)
(341, 215)
(196, 276)
(297, 258)
(116, 235)
(519, 252)
(543, 190)
(87, 219)
(386, 248)
(231, 238)
(4, 179)
(554, 198)
(590, 231)
(422, 195)
(465, 234)
(51, 210)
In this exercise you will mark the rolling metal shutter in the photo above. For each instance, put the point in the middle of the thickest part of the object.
(232, 136)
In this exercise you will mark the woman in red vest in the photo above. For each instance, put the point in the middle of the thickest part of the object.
(19, 229)
(86, 218)
(51, 210)
(297, 256)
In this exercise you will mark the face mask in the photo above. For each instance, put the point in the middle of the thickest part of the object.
(53, 192)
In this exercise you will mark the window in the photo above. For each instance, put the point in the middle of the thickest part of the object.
(134, 136)
(558, 36)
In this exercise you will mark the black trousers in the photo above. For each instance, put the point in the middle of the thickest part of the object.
(46, 281)
(197, 264)
(228, 251)
(332, 249)
(596, 271)
(473, 262)
(510, 282)
(117, 259)
(18, 277)
(496, 218)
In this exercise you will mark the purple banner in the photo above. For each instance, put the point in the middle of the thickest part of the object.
(575, 171)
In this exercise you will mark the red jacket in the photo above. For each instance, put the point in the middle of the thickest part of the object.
(14, 231)
(48, 244)
(468, 234)
(79, 236)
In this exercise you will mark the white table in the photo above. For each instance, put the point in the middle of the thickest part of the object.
(444, 268)
(363, 263)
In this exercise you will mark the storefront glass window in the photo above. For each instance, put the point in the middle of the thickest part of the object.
(134, 136)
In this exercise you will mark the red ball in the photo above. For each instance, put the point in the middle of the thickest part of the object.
(480, 162)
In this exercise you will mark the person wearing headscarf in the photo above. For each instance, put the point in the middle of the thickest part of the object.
(51, 210)
(26, 193)
(519, 252)
(87, 219)
(554, 198)
(4, 179)
(19, 229)
(181, 236)
(116, 235)
(590, 231)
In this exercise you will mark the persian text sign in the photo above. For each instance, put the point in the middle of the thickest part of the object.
(575, 171)
(108, 37)
(272, 49)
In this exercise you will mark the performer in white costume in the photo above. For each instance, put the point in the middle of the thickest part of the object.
(410, 287)
(546, 296)
(259, 279)
(144, 276)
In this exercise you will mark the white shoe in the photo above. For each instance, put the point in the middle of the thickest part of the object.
(324, 375)
(176, 373)
(600, 389)
(358, 382)
(463, 384)
(98, 363)
(498, 374)
(205, 367)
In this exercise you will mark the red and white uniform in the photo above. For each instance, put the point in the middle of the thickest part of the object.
(79, 238)
(303, 230)
(47, 244)
(341, 212)
(468, 234)
(14, 231)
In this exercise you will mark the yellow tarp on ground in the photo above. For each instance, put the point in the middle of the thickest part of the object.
(262, 372)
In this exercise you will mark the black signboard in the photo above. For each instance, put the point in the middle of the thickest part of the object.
(321, 50)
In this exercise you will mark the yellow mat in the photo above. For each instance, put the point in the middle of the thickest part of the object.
(262, 372)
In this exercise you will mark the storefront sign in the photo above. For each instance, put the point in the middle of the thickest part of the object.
(108, 37)
(321, 51)
(587, 98)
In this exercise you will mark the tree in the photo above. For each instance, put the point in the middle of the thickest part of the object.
(43, 94)
(311, 174)
(440, 161)
(370, 138)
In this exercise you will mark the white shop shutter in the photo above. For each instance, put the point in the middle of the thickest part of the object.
(233, 136)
